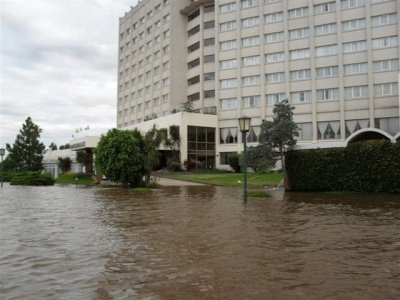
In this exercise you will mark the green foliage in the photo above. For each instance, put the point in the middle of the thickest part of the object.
(280, 133)
(64, 164)
(150, 144)
(191, 164)
(174, 166)
(53, 146)
(260, 158)
(120, 157)
(369, 166)
(172, 140)
(63, 147)
(27, 151)
(187, 106)
(31, 178)
(233, 162)
(69, 178)
(255, 180)
(9, 164)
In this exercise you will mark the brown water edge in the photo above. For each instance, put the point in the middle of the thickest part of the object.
(197, 243)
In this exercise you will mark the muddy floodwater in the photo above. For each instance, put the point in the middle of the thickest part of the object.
(197, 242)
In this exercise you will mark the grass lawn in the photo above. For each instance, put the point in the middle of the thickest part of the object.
(254, 180)
(69, 178)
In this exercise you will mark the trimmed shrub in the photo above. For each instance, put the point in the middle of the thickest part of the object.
(174, 166)
(234, 163)
(368, 166)
(191, 164)
(31, 178)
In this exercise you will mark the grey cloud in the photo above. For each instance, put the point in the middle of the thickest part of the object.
(59, 61)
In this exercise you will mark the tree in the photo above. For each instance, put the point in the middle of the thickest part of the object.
(27, 151)
(53, 146)
(187, 106)
(260, 158)
(280, 133)
(63, 147)
(150, 148)
(173, 142)
(119, 156)
(81, 158)
(64, 164)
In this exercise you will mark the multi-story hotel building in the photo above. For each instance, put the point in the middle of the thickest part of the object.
(336, 61)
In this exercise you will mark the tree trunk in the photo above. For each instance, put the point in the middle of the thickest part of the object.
(147, 178)
(286, 181)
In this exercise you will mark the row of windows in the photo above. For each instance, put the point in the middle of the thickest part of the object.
(146, 90)
(352, 92)
(326, 130)
(301, 11)
(148, 75)
(355, 24)
(149, 15)
(377, 43)
(149, 44)
(146, 105)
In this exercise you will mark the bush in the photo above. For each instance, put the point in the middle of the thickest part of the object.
(191, 164)
(174, 166)
(31, 178)
(233, 162)
(368, 166)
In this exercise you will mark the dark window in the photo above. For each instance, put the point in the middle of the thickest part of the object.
(209, 42)
(209, 58)
(194, 30)
(194, 47)
(194, 63)
(252, 136)
(209, 8)
(193, 80)
(209, 94)
(194, 15)
(193, 97)
(209, 76)
(201, 146)
(209, 24)
(224, 157)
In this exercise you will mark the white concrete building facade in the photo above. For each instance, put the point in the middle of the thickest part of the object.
(336, 61)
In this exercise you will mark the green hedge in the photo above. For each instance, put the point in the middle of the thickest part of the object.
(369, 166)
(31, 178)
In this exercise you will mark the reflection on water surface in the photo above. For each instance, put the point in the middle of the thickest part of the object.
(197, 243)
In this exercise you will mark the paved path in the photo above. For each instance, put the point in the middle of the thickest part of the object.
(173, 182)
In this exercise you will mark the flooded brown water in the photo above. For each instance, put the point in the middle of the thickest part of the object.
(197, 243)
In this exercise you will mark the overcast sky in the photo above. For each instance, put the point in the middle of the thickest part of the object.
(58, 65)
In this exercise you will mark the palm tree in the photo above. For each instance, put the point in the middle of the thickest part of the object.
(151, 142)
(173, 142)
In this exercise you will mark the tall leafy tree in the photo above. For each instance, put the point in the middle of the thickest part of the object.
(173, 142)
(119, 156)
(64, 164)
(260, 158)
(27, 150)
(151, 143)
(53, 146)
(280, 133)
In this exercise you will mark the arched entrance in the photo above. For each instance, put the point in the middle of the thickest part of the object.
(366, 134)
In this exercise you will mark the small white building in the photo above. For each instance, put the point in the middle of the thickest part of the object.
(51, 162)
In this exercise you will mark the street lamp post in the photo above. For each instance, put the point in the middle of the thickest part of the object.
(244, 125)
(2, 152)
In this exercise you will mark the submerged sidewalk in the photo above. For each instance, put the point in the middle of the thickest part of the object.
(173, 182)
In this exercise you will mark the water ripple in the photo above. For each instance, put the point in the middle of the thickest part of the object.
(196, 243)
